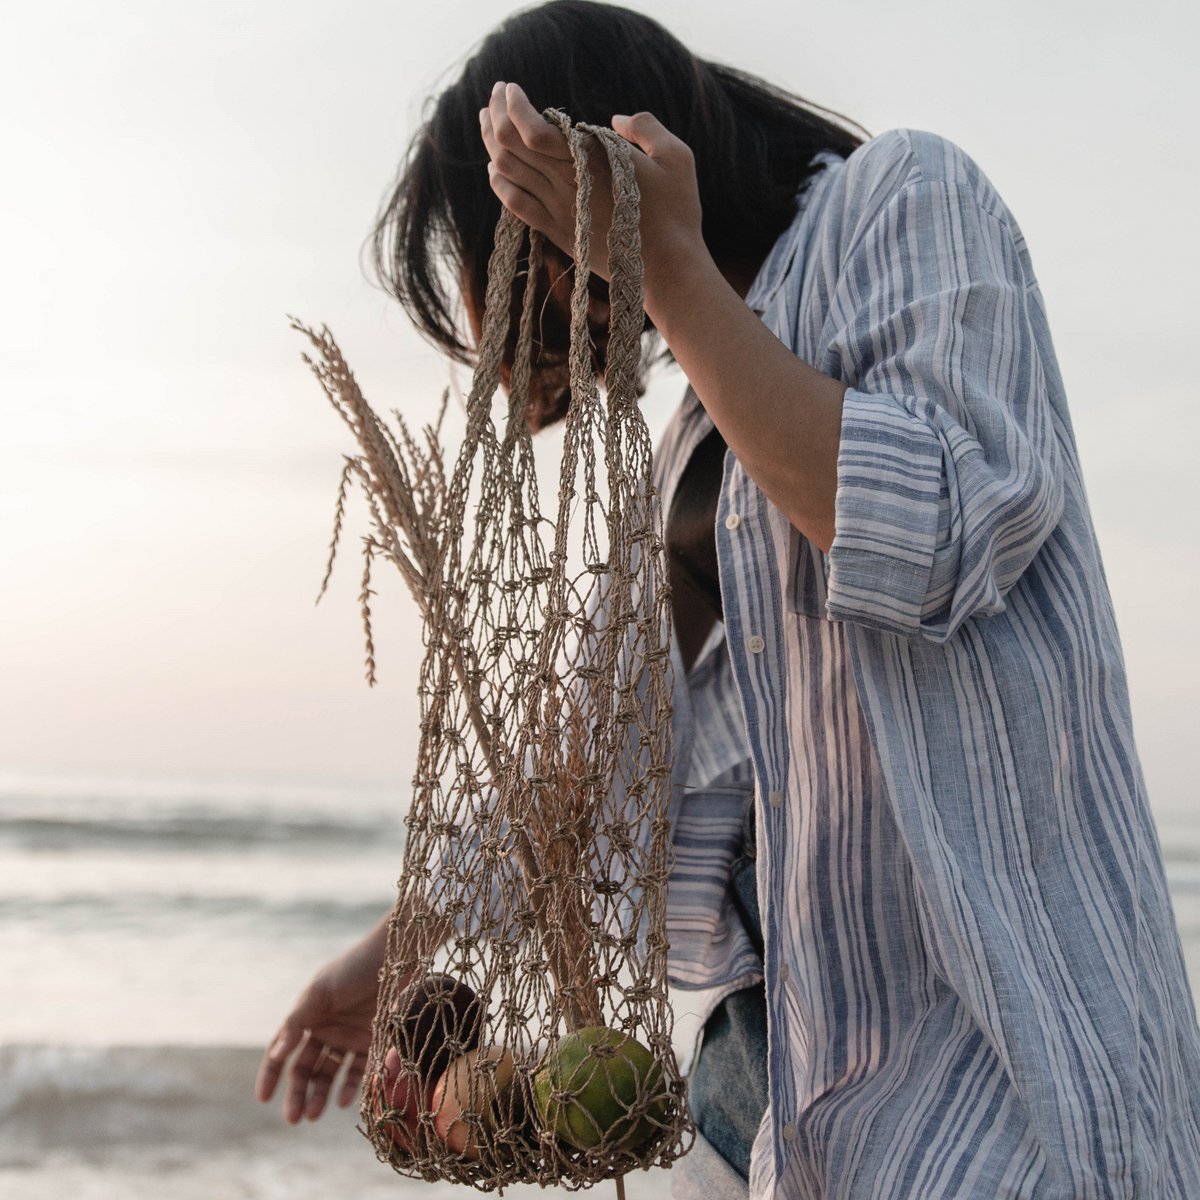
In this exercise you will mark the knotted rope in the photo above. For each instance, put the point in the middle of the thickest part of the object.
(523, 1032)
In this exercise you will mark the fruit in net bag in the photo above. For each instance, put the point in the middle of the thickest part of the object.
(434, 1020)
(466, 1100)
(601, 1087)
(396, 1099)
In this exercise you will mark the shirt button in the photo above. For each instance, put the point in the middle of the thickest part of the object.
(789, 1132)
(732, 521)
(785, 972)
(776, 799)
(755, 644)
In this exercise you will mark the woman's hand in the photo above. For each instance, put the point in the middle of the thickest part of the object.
(330, 1027)
(533, 174)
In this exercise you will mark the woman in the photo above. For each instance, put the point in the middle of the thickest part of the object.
(932, 902)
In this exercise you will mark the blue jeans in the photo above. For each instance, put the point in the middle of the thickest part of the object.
(727, 1087)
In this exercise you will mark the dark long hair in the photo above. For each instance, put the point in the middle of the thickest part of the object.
(753, 144)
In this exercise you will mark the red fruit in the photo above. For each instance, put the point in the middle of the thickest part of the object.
(394, 1092)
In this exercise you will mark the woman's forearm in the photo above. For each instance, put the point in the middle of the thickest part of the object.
(358, 966)
(781, 417)
(363, 961)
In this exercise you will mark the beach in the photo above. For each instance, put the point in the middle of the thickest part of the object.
(155, 933)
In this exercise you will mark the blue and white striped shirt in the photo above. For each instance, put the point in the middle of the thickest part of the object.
(709, 944)
(975, 983)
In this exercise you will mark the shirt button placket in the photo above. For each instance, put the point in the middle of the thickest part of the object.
(754, 643)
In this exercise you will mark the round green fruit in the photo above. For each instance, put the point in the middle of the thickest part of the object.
(591, 1086)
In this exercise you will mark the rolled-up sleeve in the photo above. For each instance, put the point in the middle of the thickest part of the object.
(949, 472)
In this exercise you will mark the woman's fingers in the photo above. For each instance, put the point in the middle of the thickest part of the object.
(534, 130)
(649, 135)
(514, 173)
(352, 1084)
(311, 1076)
(296, 1098)
(325, 1069)
(511, 164)
(520, 202)
(271, 1067)
(520, 128)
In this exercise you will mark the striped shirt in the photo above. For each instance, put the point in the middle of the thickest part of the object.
(709, 945)
(975, 983)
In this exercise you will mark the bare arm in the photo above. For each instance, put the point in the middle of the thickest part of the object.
(781, 417)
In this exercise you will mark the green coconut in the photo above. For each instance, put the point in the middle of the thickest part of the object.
(591, 1086)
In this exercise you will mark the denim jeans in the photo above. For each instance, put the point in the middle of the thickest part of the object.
(727, 1087)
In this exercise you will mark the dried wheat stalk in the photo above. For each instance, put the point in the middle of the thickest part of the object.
(406, 489)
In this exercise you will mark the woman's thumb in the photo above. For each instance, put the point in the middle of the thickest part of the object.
(645, 131)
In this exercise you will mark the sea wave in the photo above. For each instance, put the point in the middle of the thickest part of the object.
(98, 813)
(38, 789)
(192, 831)
(110, 911)
(103, 1102)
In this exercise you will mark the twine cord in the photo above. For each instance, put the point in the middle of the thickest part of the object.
(537, 847)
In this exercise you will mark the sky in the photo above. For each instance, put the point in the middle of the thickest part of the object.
(179, 177)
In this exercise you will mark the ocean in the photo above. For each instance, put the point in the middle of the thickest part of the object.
(153, 935)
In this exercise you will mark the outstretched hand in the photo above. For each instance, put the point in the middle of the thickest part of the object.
(532, 172)
(329, 1027)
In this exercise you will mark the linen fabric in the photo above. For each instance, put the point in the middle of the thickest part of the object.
(974, 979)
(712, 899)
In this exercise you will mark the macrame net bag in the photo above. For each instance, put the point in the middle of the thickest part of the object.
(523, 1032)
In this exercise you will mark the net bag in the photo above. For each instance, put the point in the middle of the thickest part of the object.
(523, 1032)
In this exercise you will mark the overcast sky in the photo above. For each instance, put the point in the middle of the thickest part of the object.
(178, 177)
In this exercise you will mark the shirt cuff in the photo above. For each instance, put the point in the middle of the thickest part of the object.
(889, 490)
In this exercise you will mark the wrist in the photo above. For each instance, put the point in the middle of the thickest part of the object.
(670, 295)
(364, 958)
(674, 273)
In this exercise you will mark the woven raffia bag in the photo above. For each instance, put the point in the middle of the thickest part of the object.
(524, 1030)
